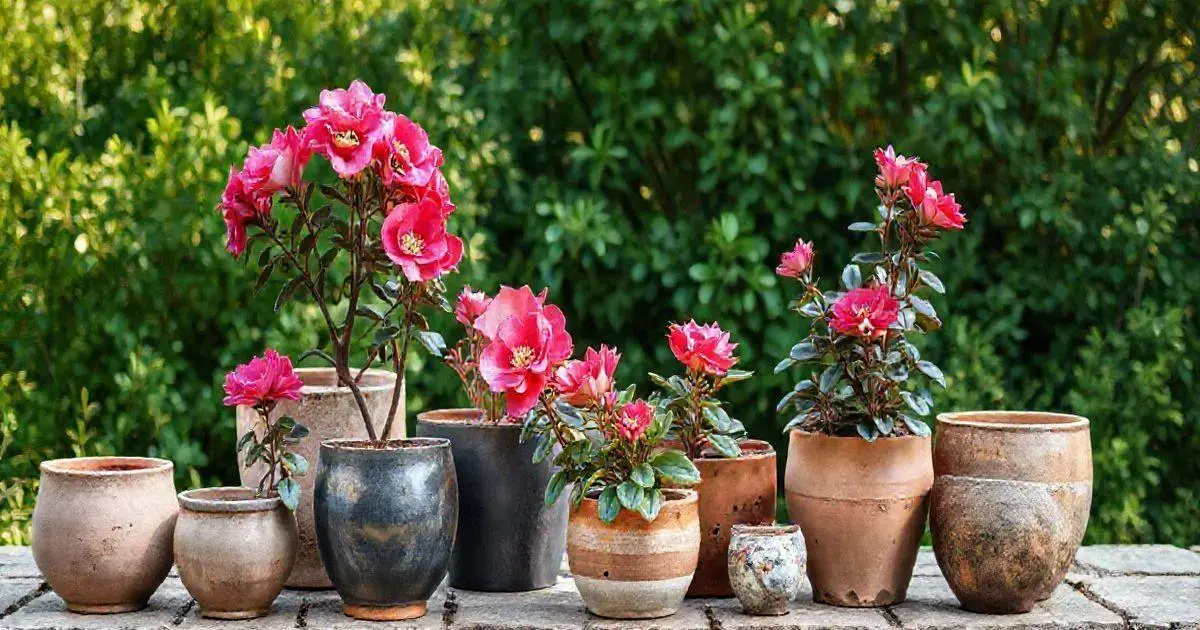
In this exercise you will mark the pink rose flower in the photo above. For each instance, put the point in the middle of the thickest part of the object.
(795, 263)
(275, 166)
(589, 381)
(702, 348)
(264, 379)
(509, 302)
(865, 312)
(405, 157)
(634, 419)
(528, 340)
(415, 238)
(470, 305)
(239, 208)
(936, 207)
(344, 127)
(894, 170)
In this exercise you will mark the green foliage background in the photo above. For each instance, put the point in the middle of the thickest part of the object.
(647, 160)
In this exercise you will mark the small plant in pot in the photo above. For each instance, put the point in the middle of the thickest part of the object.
(372, 244)
(859, 464)
(737, 476)
(508, 538)
(242, 580)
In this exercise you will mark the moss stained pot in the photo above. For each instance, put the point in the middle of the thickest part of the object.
(1010, 504)
(385, 522)
(103, 529)
(234, 551)
(329, 412)
(861, 506)
(508, 540)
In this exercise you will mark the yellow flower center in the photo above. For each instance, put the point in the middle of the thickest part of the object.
(347, 139)
(411, 244)
(522, 356)
(400, 158)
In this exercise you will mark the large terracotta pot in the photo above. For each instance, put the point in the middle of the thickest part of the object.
(233, 551)
(508, 540)
(1009, 505)
(732, 492)
(385, 520)
(329, 412)
(102, 530)
(633, 568)
(862, 508)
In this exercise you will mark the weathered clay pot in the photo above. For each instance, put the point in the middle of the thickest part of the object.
(732, 491)
(329, 412)
(1009, 505)
(862, 508)
(508, 540)
(385, 523)
(102, 530)
(233, 551)
(766, 567)
(633, 568)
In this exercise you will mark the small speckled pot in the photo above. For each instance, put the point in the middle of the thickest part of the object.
(766, 567)
(233, 551)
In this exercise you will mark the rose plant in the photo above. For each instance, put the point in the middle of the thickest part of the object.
(690, 401)
(857, 342)
(385, 216)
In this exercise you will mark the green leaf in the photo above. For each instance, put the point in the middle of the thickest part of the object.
(725, 445)
(885, 425)
(651, 504)
(643, 475)
(830, 377)
(915, 403)
(289, 492)
(932, 371)
(295, 463)
(733, 376)
(610, 505)
(803, 351)
(867, 430)
(286, 292)
(432, 341)
(812, 309)
(931, 281)
(922, 306)
(544, 446)
(246, 439)
(862, 226)
(263, 275)
(869, 258)
(316, 352)
(581, 490)
(370, 312)
(786, 363)
(676, 468)
(916, 426)
(252, 454)
(298, 432)
(718, 418)
(554, 487)
(630, 495)
(851, 277)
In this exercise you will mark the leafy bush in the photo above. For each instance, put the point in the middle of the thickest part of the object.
(648, 161)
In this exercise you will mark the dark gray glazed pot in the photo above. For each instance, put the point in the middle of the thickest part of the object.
(385, 522)
(508, 540)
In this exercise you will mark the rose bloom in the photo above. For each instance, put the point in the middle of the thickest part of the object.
(275, 166)
(415, 238)
(793, 264)
(509, 302)
(470, 305)
(264, 379)
(588, 382)
(345, 125)
(634, 419)
(936, 207)
(865, 312)
(528, 340)
(894, 170)
(239, 208)
(702, 348)
(404, 155)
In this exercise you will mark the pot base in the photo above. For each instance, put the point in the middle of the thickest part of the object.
(235, 614)
(386, 613)
(851, 600)
(105, 609)
(766, 612)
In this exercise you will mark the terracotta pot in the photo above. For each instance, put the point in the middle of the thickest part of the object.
(102, 530)
(329, 412)
(508, 540)
(633, 568)
(385, 523)
(766, 567)
(862, 508)
(1010, 504)
(233, 551)
(732, 491)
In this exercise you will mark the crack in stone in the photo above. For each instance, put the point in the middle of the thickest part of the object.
(41, 589)
(1091, 595)
(714, 623)
(183, 611)
(449, 609)
(892, 618)
(302, 613)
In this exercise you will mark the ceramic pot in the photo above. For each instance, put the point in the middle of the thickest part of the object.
(766, 567)
(633, 568)
(329, 412)
(508, 540)
(102, 530)
(385, 523)
(862, 508)
(233, 551)
(732, 491)
(1010, 504)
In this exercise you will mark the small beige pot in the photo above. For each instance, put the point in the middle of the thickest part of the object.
(234, 551)
(102, 530)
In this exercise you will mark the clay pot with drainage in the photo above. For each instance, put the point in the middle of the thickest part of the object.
(102, 530)
(234, 550)
(1010, 504)
(633, 568)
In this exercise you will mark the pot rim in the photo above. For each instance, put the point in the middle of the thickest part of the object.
(882, 438)
(375, 380)
(93, 467)
(996, 420)
(777, 529)
(202, 500)
(709, 453)
(394, 445)
(431, 416)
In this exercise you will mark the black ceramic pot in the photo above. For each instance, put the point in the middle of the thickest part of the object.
(508, 540)
(385, 521)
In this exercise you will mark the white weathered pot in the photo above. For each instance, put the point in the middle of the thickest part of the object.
(766, 567)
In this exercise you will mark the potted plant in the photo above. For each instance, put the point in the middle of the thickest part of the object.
(737, 477)
(234, 547)
(508, 538)
(384, 220)
(859, 465)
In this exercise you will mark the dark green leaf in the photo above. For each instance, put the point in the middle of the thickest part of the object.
(932, 371)
(867, 430)
(916, 426)
(555, 486)
(803, 351)
(643, 475)
(286, 292)
(544, 446)
(830, 377)
(862, 226)
(289, 492)
(246, 439)
(885, 425)
(676, 468)
(851, 277)
(725, 445)
(263, 276)
(651, 504)
(931, 281)
(869, 258)
(610, 505)
(296, 464)
(786, 363)
(630, 495)
(915, 403)
(432, 341)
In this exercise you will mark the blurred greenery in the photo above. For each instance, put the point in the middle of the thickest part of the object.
(647, 160)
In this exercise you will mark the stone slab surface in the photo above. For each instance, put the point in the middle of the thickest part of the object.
(1138, 559)
(49, 612)
(1150, 601)
(17, 562)
(931, 604)
(13, 591)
